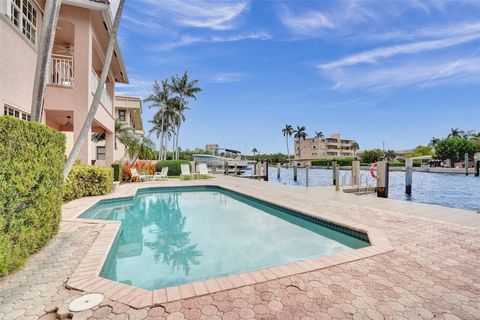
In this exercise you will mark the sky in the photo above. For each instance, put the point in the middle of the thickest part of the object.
(398, 72)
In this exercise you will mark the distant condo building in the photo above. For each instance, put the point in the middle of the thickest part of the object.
(322, 148)
(211, 148)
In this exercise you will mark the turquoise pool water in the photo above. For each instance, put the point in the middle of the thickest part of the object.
(172, 236)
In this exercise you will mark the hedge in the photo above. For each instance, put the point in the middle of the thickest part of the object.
(173, 166)
(31, 181)
(85, 181)
(328, 162)
(117, 171)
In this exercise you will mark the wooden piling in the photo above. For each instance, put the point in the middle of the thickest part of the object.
(266, 171)
(382, 179)
(356, 173)
(337, 177)
(466, 164)
(334, 168)
(477, 168)
(306, 176)
(295, 173)
(278, 170)
(408, 176)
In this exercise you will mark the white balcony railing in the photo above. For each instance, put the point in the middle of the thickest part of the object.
(62, 70)
(105, 100)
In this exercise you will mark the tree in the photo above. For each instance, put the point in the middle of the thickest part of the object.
(390, 155)
(433, 142)
(123, 134)
(45, 46)
(319, 134)
(300, 134)
(87, 125)
(185, 89)
(287, 132)
(141, 147)
(254, 151)
(454, 149)
(355, 147)
(371, 156)
(161, 98)
(456, 133)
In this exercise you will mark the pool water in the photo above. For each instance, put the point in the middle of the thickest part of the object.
(173, 236)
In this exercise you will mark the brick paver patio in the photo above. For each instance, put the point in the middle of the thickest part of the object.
(434, 272)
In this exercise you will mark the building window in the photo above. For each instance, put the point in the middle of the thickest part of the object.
(100, 153)
(314, 153)
(314, 147)
(24, 17)
(11, 111)
(121, 115)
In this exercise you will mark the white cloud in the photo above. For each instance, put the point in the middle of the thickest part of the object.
(305, 23)
(373, 56)
(420, 73)
(226, 77)
(217, 15)
(187, 40)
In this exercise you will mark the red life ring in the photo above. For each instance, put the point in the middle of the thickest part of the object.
(372, 170)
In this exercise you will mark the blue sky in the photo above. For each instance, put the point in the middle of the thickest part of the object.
(393, 71)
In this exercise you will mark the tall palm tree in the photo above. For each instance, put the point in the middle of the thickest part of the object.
(355, 147)
(87, 125)
(161, 98)
(185, 89)
(300, 134)
(319, 134)
(254, 151)
(390, 155)
(456, 133)
(45, 46)
(287, 132)
(162, 128)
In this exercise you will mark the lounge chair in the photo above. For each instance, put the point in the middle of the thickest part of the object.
(134, 175)
(162, 175)
(185, 168)
(203, 170)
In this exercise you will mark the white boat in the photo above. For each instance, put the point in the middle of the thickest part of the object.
(216, 162)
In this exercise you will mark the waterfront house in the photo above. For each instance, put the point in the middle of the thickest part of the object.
(80, 44)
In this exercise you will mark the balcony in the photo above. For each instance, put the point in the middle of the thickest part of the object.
(62, 73)
(105, 100)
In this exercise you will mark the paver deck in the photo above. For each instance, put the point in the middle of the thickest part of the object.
(433, 271)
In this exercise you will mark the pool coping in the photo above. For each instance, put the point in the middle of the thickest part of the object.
(86, 277)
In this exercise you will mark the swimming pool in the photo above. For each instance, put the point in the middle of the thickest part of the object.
(177, 235)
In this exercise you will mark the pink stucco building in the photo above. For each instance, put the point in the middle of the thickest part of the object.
(80, 45)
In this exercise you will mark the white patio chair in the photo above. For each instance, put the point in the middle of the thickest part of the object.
(162, 175)
(185, 168)
(203, 170)
(134, 175)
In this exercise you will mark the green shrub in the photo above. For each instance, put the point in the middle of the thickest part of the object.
(173, 166)
(396, 164)
(117, 171)
(85, 181)
(31, 180)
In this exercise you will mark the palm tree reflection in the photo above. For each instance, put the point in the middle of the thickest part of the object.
(172, 245)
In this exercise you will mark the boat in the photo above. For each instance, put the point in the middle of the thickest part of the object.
(232, 162)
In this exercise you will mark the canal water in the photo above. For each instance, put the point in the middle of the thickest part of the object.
(450, 190)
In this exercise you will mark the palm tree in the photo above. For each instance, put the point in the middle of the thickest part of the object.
(162, 127)
(123, 134)
(140, 147)
(254, 151)
(287, 132)
(319, 134)
(390, 155)
(300, 133)
(456, 133)
(355, 147)
(45, 46)
(185, 89)
(87, 125)
(433, 142)
(161, 98)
